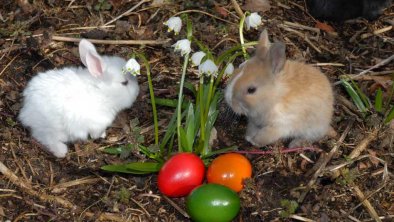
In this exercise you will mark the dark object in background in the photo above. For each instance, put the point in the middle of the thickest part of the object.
(340, 10)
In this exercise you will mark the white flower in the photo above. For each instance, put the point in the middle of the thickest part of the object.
(197, 57)
(183, 46)
(174, 23)
(229, 69)
(253, 21)
(208, 67)
(132, 67)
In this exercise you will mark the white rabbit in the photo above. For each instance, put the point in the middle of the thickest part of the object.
(73, 103)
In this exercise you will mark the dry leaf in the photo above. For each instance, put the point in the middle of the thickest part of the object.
(257, 5)
(325, 27)
(158, 3)
(381, 81)
(362, 166)
(117, 3)
(221, 10)
(373, 160)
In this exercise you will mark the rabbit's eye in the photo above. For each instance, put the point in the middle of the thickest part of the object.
(251, 90)
(125, 82)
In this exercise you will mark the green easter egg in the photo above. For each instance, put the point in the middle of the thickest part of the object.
(212, 203)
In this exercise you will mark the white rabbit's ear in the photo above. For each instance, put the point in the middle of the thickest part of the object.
(90, 58)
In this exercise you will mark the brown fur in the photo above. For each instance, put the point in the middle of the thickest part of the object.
(291, 100)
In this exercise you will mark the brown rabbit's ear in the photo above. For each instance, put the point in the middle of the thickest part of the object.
(263, 45)
(263, 39)
(277, 56)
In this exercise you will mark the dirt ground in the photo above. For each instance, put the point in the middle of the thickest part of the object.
(35, 186)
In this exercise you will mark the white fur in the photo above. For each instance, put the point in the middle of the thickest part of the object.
(228, 94)
(69, 104)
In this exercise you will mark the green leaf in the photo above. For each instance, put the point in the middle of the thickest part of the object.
(289, 207)
(113, 150)
(362, 95)
(355, 97)
(186, 147)
(190, 126)
(191, 87)
(390, 115)
(379, 100)
(134, 167)
(171, 129)
(171, 102)
(219, 151)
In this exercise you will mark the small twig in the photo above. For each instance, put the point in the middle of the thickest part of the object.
(141, 206)
(367, 197)
(299, 218)
(113, 42)
(364, 144)
(107, 217)
(360, 195)
(349, 216)
(387, 217)
(8, 64)
(180, 210)
(299, 26)
(377, 32)
(237, 8)
(62, 186)
(224, 40)
(381, 63)
(126, 12)
(334, 169)
(86, 28)
(205, 13)
(28, 189)
(282, 150)
(329, 64)
(303, 36)
(327, 158)
(382, 30)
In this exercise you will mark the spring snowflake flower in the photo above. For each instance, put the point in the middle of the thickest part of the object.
(183, 46)
(174, 23)
(229, 69)
(253, 21)
(208, 67)
(132, 67)
(197, 57)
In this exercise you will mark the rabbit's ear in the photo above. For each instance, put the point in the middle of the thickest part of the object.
(277, 57)
(90, 58)
(263, 39)
(263, 45)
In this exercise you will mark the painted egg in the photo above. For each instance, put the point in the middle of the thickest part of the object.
(230, 170)
(181, 174)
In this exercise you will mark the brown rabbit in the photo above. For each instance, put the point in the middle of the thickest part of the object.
(281, 98)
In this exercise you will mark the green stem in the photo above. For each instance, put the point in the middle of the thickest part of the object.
(209, 93)
(202, 109)
(241, 35)
(179, 109)
(230, 60)
(152, 96)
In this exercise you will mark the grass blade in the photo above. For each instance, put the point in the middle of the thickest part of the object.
(379, 100)
(355, 97)
(134, 167)
(390, 115)
(362, 95)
